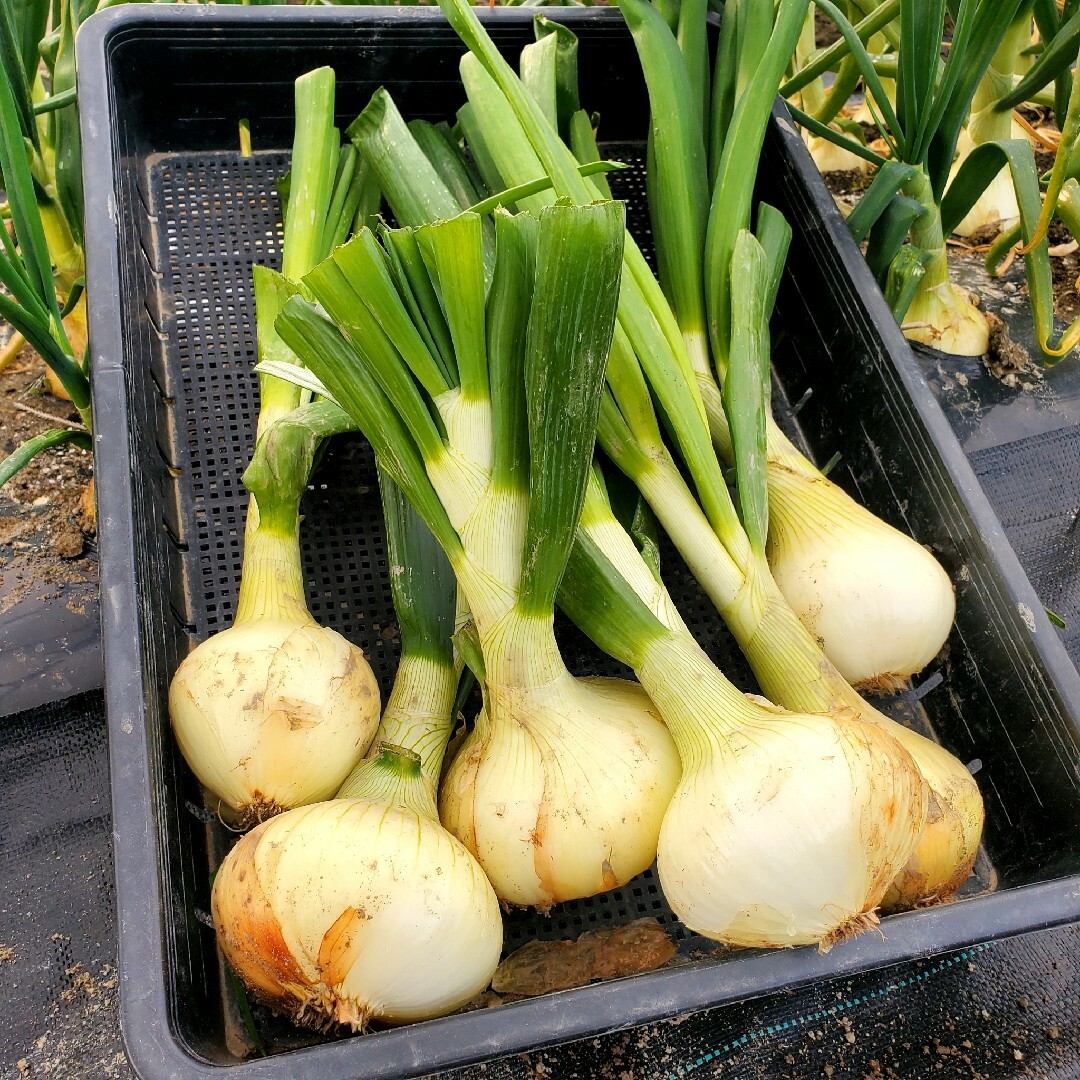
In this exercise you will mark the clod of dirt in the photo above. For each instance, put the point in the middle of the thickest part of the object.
(541, 967)
(1009, 362)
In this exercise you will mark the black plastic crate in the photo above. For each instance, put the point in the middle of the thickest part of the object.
(175, 218)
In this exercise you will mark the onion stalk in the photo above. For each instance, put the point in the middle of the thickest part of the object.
(273, 712)
(879, 603)
(890, 627)
(419, 712)
(828, 157)
(365, 909)
(560, 789)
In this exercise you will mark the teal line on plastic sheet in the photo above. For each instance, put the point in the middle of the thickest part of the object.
(824, 1014)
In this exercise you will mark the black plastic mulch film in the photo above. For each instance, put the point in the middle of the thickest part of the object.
(175, 396)
(1034, 484)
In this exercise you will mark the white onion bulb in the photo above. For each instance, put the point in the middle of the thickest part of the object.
(273, 712)
(879, 604)
(559, 791)
(354, 911)
(785, 829)
(829, 157)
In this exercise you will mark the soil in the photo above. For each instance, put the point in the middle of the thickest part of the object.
(47, 528)
(825, 31)
(79, 1041)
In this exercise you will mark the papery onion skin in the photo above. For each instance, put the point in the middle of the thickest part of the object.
(272, 714)
(949, 845)
(353, 911)
(562, 796)
(943, 318)
(789, 832)
(879, 604)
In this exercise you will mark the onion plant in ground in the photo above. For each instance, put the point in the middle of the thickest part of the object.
(947, 158)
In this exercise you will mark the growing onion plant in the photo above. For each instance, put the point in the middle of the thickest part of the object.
(922, 192)
(32, 302)
(37, 62)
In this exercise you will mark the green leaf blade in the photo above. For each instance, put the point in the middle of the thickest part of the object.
(571, 322)
(746, 388)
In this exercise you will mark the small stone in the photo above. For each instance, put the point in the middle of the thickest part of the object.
(850, 1036)
(1053, 1033)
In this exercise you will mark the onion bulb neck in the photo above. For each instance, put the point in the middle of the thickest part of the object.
(393, 776)
(941, 315)
(272, 583)
(416, 722)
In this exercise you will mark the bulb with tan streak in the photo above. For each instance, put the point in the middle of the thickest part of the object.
(786, 828)
(357, 911)
(560, 789)
(768, 629)
(945, 855)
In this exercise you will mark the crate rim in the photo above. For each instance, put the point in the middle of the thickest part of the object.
(151, 1039)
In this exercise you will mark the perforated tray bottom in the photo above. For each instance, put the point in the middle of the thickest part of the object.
(216, 214)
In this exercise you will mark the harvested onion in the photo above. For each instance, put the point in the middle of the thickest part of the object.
(356, 910)
(273, 712)
(879, 604)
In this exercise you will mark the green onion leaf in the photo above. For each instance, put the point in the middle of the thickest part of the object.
(746, 388)
(25, 452)
(571, 322)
